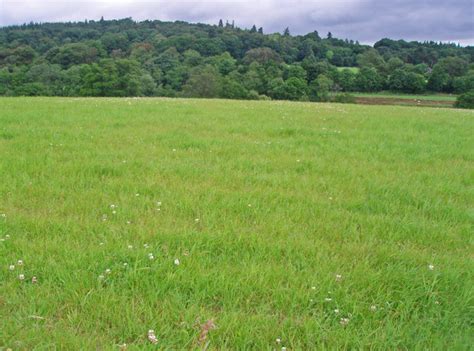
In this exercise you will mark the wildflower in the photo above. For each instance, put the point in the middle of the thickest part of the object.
(128, 222)
(101, 277)
(125, 264)
(373, 308)
(137, 194)
(12, 267)
(20, 262)
(104, 217)
(176, 262)
(330, 198)
(150, 256)
(283, 348)
(278, 340)
(196, 220)
(336, 311)
(249, 205)
(152, 337)
(108, 271)
(34, 280)
(114, 212)
(7, 236)
(174, 150)
(298, 161)
(430, 267)
(145, 246)
(21, 277)
(313, 288)
(328, 299)
(158, 203)
(344, 321)
(130, 246)
(100, 244)
(4, 215)
(338, 277)
(112, 206)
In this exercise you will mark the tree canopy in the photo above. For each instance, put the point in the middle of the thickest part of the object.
(154, 58)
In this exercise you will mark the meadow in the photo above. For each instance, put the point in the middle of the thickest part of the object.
(234, 225)
(431, 97)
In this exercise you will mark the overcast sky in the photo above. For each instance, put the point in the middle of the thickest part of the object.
(363, 20)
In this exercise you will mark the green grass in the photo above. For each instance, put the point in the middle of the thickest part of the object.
(288, 195)
(433, 97)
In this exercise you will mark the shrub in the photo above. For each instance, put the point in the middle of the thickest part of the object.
(345, 98)
(465, 100)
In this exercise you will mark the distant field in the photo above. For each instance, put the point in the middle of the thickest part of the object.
(352, 69)
(433, 97)
(297, 225)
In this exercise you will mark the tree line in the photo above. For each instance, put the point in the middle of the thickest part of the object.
(155, 58)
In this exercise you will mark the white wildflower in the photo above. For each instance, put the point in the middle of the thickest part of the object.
(338, 277)
(176, 262)
(431, 267)
(108, 271)
(152, 337)
(21, 277)
(373, 308)
(344, 321)
(12, 267)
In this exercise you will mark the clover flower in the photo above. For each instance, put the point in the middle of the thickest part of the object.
(152, 337)
(344, 321)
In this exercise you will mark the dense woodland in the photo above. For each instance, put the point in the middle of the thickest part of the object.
(154, 58)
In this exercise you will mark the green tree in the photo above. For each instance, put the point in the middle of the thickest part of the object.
(320, 88)
(203, 82)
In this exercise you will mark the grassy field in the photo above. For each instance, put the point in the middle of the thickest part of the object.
(352, 69)
(229, 225)
(432, 97)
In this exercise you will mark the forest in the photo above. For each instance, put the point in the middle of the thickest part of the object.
(179, 59)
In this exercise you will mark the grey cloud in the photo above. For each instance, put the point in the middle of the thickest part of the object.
(363, 20)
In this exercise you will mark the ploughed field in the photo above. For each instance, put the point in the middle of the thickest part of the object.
(234, 225)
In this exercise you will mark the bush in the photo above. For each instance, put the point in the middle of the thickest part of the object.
(345, 99)
(465, 100)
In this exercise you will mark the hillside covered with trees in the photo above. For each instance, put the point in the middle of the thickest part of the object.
(154, 58)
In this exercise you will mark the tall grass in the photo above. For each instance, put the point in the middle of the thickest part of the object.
(234, 225)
